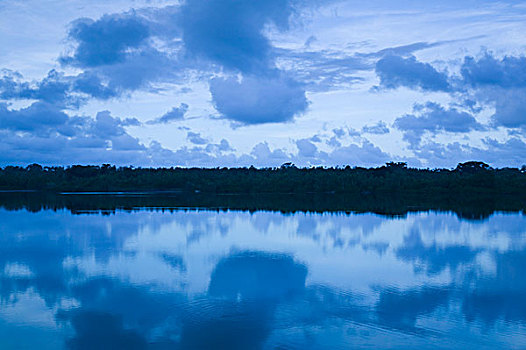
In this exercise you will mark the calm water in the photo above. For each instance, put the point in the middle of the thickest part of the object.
(263, 280)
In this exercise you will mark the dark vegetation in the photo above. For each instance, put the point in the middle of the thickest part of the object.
(473, 207)
(467, 179)
(472, 190)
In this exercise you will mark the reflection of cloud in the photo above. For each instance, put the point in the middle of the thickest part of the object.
(260, 299)
(245, 289)
(114, 312)
(502, 295)
(400, 309)
(98, 330)
(434, 258)
(226, 324)
(379, 247)
(175, 261)
(257, 275)
(307, 226)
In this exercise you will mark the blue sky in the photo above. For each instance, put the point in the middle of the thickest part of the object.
(239, 83)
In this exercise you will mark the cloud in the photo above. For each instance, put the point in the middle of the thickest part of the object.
(511, 152)
(339, 132)
(366, 154)
(222, 146)
(195, 138)
(11, 85)
(230, 32)
(262, 155)
(379, 128)
(175, 114)
(258, 100)
(306, 148)
(499, 82)
(125, 52)
(510, 107)
(92, 84)
(43, 133)
(106, 40)
(408, 49)
(434, 118)
(508, 72)
(323, 70)
(141, 69)
(66, 91)
(39, 117)
(55, 88)
(395, 71)
(329, 69)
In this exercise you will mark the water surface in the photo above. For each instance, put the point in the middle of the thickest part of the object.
(202, 279)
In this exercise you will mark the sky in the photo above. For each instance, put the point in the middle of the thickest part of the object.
(214, 83)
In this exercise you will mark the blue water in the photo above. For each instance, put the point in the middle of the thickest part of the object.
(263, 280)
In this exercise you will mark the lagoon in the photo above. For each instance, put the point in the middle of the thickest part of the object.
(196, 278)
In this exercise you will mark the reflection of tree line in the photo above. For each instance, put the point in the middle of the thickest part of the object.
(469, 179)
(473, 207)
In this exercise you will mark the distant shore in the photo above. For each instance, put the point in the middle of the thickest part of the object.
(470, 178)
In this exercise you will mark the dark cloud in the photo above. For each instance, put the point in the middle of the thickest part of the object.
(106, 40)
(121, 53)
(485, 81)
(230, 32)
(65, 91)
(501, 82)
(508, 72)
(39, 117)
(432, 117)
(55, 88)
(118, 54)
(44, 133)
(141, 69)
(175, 114)
(396, 71)
(258, 100)
(92, 84)
(12, 86)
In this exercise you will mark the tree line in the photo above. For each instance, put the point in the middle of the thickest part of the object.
(467, 178)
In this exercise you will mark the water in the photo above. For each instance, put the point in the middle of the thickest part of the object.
(200, 279)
